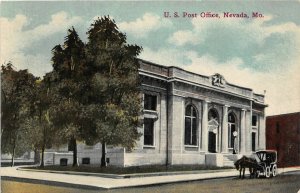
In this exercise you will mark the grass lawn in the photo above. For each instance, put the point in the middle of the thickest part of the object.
(130, 170)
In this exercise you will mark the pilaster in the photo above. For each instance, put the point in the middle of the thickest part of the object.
(249, 131)
(175, 127)
(205, 126)
(262, 132)
(225, 129)
(243, 131)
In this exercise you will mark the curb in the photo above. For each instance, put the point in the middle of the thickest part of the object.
(92, 187)
(123, 176)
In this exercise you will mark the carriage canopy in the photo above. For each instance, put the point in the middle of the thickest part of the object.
(267, 156)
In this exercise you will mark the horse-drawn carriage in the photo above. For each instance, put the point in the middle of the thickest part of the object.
(267, 163)
(262, 163)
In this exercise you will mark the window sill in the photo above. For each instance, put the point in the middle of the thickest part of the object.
(150, 114)
(149, 111)
(191, 146)
(148, 147)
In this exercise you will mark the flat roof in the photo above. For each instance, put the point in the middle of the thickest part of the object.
(193, 73)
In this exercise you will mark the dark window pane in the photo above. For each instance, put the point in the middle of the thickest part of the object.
(194, 132)
(190, 129)
(232, 137)
(150, 102)
(188, 110)
(148, 131)
(231, 118)
(254, 120)
(187, 136)
(253, 141)
(194, 112)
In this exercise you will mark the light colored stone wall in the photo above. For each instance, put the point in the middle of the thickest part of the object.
(116, 156)
(149, 158)
(214, 160)
(262, 133)
(248, 132)
(58, 156)
(188, 158)
(175, 127)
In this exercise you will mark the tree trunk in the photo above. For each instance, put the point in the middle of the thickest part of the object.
(103, 158)
(44, 139)
(13, 154)
(42, 161)
(74, 144)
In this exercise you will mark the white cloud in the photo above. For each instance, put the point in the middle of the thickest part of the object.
(182, 37)
(283, 90)
(142, 26)
(60, 22)
(165, 56)
(14, 39)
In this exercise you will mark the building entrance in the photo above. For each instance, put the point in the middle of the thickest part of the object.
(213, 130)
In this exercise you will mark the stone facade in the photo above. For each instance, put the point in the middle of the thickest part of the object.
(191, 119)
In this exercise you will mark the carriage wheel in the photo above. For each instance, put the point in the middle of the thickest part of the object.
(274, 170)
(268, 171)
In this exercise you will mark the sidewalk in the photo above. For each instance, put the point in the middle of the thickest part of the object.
(110, 183)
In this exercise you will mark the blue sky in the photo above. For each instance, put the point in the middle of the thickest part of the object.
(260, 53)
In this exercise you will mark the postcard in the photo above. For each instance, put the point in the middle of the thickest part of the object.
(142, 96)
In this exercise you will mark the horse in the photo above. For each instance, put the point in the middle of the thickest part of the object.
(245, 162)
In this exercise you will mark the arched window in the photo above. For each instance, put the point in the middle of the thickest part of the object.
(190, 137)
(231, 129)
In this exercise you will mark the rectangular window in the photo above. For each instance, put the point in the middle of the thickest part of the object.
(253, 140)
(150, 102)
(254, 120)
(148, 131)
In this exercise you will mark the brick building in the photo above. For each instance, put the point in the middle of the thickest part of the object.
(283, 135)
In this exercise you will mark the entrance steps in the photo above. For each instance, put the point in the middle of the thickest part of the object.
(229, 159)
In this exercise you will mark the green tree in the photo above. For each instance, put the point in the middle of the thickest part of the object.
(42, 131)
(114, 97)
(17, 87)
(69, 64)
